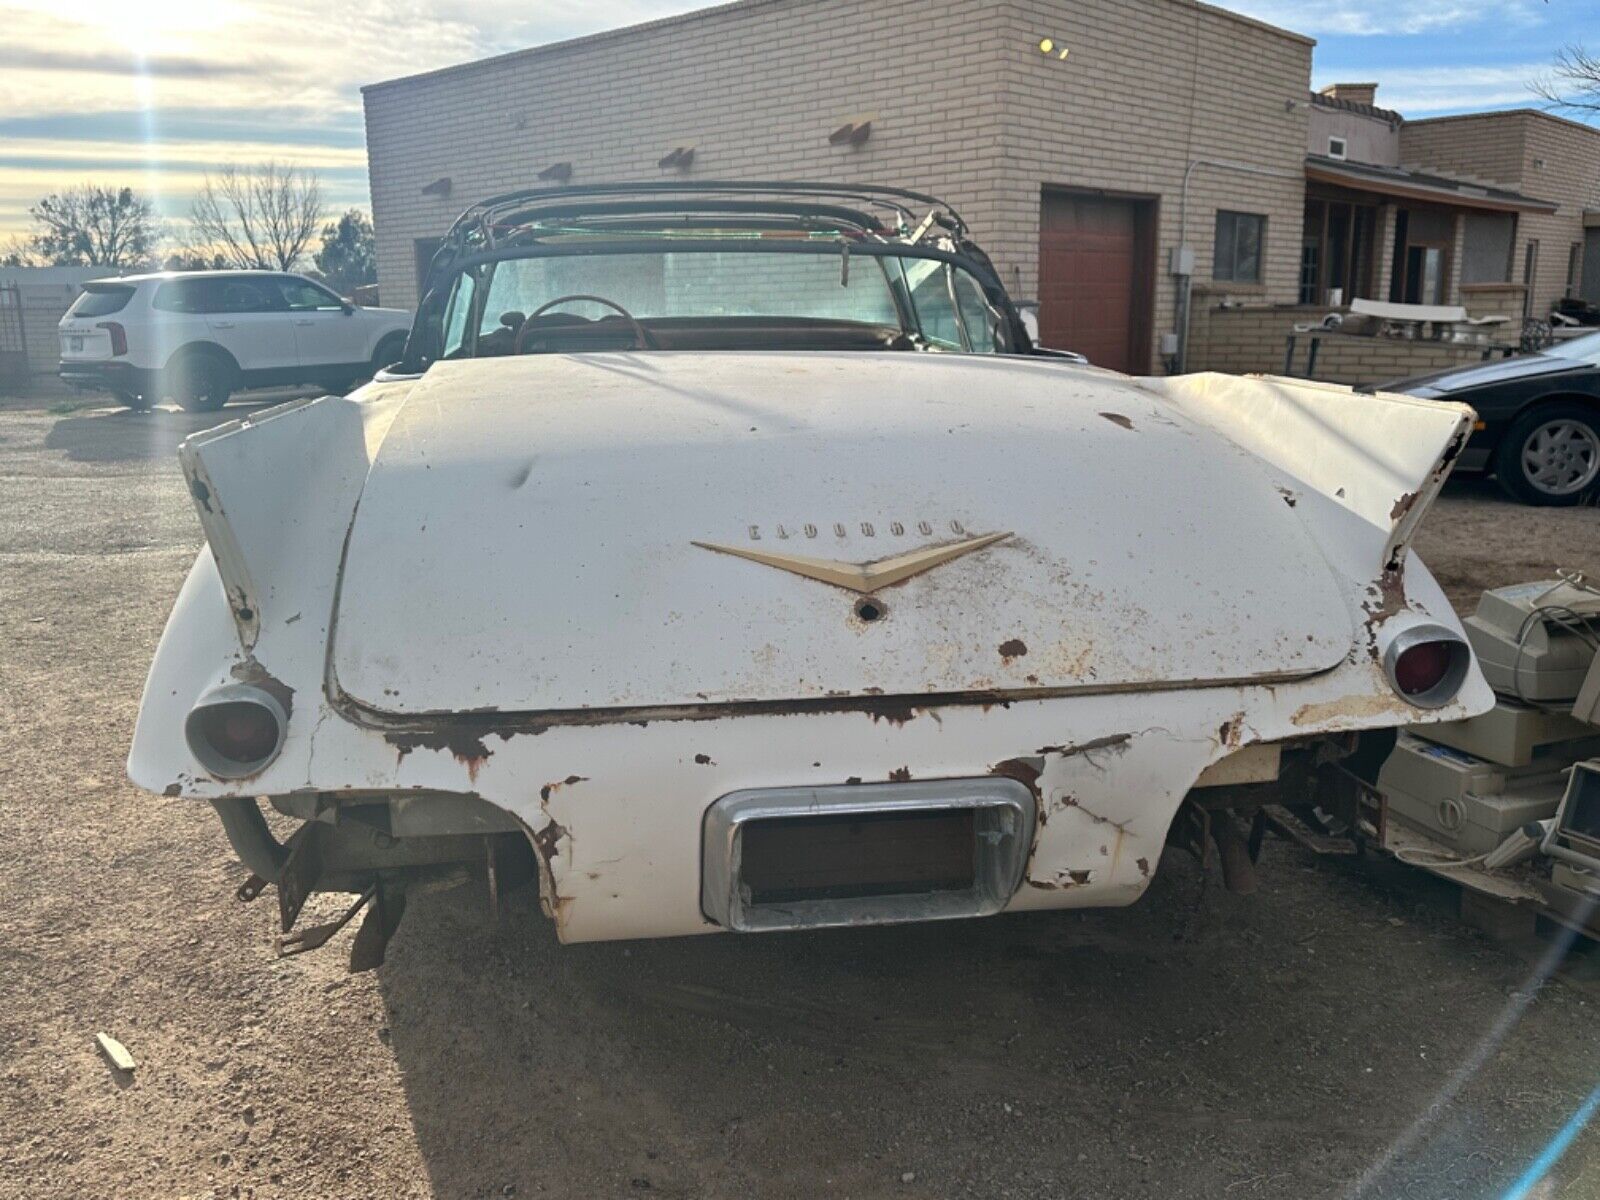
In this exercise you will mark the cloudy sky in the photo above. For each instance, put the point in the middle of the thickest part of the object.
(153, 93)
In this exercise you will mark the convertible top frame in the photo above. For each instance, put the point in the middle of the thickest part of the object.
(841, 218)
(497, 215)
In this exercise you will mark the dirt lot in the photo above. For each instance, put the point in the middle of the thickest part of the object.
(1337, 1034)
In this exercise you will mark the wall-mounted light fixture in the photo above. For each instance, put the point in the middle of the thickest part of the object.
(439, 187)
(677, 160)
(557, 172)
(1050, 48)
(853, 132)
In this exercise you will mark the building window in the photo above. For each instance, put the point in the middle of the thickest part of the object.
(1574, 268)
(1240, 236)
(1336, 251)
(1486, 247)
(1310, 269)
(1336, 147)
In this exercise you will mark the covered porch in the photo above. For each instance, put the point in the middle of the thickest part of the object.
(1405, 236)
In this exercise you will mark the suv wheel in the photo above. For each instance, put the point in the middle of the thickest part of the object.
(1551, 454)
(201, 382)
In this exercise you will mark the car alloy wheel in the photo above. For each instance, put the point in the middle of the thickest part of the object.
(1561, 457)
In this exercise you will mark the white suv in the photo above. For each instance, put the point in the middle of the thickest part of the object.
(199, 336)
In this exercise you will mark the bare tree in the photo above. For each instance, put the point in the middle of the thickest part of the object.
(18, 252)
(263, 219)
(93, 226)
(1574, 82)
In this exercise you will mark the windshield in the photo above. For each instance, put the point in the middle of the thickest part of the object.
(1584, 349)
(717, 299)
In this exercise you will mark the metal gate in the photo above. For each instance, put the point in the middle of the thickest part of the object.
(13, 345)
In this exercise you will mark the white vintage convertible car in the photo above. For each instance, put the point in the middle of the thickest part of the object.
(726, 557)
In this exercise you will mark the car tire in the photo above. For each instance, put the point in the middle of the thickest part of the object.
(390, 347)
(1550, 455)
(201, 381)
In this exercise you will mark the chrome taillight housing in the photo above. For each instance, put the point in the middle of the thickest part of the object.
(235, 730)
(1426, 663)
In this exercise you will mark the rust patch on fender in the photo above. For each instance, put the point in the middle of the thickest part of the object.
(1024, 770)
(1118, 419)
(239, 601)
(896, 712)
(1063, 879)
(1144, 866)
(1231, 730)
(1114, 741)
(1015, 648)
(900, 775)
(1390, 587)
(1350, 708)
(466, 748)
(704, 760)
(252, 672)
(547, 844)
(1402, 506)
(547, 840)
(551, 789)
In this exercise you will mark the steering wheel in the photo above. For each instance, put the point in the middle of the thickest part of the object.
(640, 335)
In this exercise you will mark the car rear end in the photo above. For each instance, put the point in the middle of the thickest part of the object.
(96, 342)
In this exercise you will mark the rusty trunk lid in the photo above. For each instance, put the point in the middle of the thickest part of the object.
(610, 532)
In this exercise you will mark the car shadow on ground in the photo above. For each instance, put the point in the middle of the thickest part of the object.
(116, 434)
(1192, 1044)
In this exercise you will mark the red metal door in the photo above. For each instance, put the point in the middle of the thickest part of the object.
(1091, 290)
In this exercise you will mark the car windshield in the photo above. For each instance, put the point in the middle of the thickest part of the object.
(1585, 349)
(717, 299)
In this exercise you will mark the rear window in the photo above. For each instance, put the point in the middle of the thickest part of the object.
(101, 300)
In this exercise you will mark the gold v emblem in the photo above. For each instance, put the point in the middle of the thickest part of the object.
(861, 577)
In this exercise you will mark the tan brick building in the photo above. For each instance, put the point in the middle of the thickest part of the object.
(1540, 155)
(1075, 165)
(1496, 212)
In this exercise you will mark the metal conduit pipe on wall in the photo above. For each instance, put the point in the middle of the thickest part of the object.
(1186, 277)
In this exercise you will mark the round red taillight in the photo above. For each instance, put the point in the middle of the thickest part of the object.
(236, 731)
(1423, 667)
(1426, 663)
(239, 731)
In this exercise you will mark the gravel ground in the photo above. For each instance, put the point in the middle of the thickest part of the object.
(1337, 1033)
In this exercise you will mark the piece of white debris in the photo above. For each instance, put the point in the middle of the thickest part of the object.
(908, 1176)
(115, 1051)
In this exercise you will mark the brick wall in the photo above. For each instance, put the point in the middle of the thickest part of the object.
(1251, 339)
(965, 107)
(755, 87)
(1494, 300)
(1539, 155)
(1147, 89)
(1486, 146)
(1562, 164)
